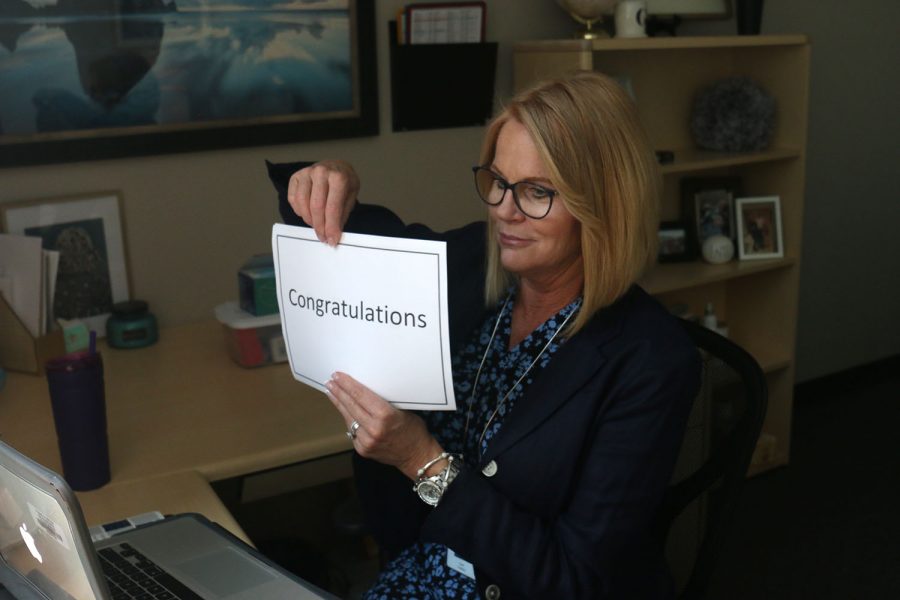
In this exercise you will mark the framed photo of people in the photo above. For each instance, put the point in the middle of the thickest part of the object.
(160, 76)
(759, 227)
(708, 207)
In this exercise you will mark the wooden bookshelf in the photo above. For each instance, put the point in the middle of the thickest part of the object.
(757, 298)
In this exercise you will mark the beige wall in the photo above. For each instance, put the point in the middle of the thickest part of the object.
(192, 219)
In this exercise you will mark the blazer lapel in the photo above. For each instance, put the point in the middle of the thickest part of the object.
(573, 365)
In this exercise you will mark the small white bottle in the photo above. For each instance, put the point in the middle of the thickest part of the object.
(709, 318)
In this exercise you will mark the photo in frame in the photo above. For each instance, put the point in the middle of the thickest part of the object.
(759, 227)
(707, 204)
(87, 232)
(674, 244)
(691, 9)
(135, 78)
(687, 9)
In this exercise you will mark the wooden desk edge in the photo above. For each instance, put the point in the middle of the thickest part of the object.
(182, 492)
(302, 452)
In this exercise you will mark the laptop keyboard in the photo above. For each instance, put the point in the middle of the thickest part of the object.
(132, 576)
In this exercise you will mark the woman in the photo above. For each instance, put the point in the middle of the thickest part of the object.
(573, 385)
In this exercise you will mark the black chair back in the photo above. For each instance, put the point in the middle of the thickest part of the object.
(722, 472)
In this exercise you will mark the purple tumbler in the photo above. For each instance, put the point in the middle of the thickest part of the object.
(79, 412)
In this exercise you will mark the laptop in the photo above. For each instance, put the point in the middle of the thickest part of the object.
(46, 551)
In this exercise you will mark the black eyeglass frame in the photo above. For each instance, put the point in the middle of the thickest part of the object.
(511, 187)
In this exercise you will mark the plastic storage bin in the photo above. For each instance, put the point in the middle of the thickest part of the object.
(251, 341)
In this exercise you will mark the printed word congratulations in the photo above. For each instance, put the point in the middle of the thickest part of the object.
(359, 311)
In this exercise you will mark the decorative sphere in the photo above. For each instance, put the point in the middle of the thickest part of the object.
(733, 115)
(588, 10)
(718, 249)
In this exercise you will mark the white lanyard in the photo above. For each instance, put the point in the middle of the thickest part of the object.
(471, 403)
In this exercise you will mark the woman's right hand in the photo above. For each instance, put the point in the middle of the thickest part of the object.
(323, 196)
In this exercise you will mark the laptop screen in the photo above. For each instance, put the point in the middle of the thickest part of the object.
(37, 542)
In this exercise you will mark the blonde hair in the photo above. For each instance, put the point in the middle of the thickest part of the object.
(599, 159)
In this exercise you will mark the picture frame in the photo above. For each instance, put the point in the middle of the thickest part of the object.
(88, 232)
(708, 206)
(176, 79)
(688, 9)
(759, 226)
(692, 9)
(674, 242)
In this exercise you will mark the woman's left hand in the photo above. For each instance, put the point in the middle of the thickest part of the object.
(385, 434)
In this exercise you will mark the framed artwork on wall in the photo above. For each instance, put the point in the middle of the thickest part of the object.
(87, 232)
(85, 81)
(759, 227)
(719, 9)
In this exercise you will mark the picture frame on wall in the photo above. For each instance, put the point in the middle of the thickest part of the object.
(708, 206)
(87, 232)
(687, 9)
(759, 226)
(674, 244)
(163, 77)
(691, 9)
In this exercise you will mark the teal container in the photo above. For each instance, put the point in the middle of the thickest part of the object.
(256, 285)
(131, 325)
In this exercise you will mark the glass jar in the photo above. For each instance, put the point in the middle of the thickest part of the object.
(131, 325)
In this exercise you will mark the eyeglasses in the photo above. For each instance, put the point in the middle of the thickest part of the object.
(532, 200)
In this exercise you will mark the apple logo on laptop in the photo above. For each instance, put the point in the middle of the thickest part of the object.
(29, 541)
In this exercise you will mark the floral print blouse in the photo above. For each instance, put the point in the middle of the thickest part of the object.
(421, 571)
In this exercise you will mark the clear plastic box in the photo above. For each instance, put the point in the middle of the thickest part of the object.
(251, 341)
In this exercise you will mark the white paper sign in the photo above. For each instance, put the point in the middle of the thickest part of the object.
(372, 307)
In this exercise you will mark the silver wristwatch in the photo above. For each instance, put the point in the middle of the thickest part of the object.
(430, 489)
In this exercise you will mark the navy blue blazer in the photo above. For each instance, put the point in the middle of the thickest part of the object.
(582, 462)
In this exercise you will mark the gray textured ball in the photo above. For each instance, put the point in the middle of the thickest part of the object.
(733, 115)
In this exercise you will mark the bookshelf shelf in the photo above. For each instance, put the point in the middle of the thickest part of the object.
(692, 161)
(667, 278)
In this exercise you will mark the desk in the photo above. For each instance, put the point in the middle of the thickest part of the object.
(181, 414)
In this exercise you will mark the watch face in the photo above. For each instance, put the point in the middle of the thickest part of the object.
(429, 492)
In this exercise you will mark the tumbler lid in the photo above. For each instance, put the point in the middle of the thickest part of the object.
(73, 361)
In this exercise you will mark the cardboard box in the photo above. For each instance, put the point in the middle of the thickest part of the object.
(21, 351)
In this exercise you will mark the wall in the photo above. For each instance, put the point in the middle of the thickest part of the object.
(850, 276)
(192, 219)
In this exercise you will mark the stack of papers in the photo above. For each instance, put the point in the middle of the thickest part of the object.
(28, 280)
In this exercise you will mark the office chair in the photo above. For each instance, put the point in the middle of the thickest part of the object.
(720, 476)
